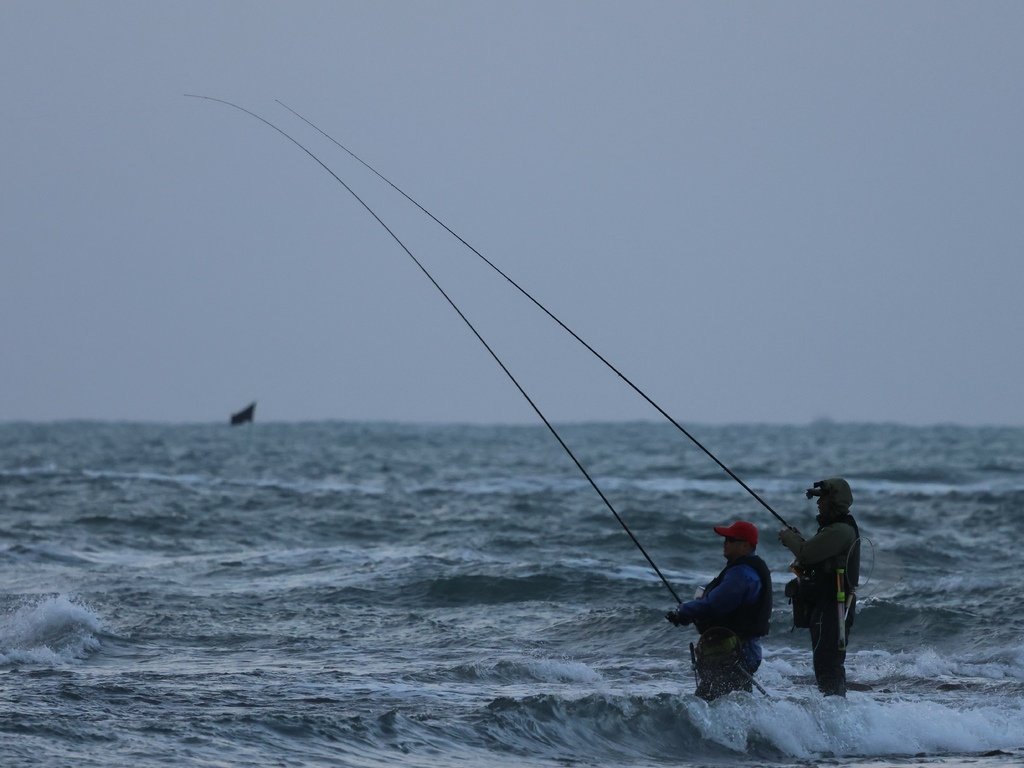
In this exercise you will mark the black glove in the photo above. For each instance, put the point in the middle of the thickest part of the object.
(677, 618)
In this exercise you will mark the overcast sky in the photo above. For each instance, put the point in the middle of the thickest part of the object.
(760, 212)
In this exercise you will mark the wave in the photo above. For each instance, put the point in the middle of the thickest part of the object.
(989, 670)
(53, 630)
(927, 485)
(914, 483)
(519, 671)
(47, 553)
(199, 482)
(800, 726)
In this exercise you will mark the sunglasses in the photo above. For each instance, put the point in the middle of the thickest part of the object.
(731, 540)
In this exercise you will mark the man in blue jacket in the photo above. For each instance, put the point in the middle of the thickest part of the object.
(731, 615)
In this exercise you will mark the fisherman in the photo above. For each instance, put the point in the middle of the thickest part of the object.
(828, 569)
(731, 614)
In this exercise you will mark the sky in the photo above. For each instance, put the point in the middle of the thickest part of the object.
(759, 212)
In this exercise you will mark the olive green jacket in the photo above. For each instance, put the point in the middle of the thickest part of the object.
(826, 551)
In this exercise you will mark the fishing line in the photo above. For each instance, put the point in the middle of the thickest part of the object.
(476, 333)
(546, 311)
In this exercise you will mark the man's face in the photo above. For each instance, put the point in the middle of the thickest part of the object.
(733, 548)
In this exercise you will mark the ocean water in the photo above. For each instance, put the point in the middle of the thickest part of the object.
(378, 594)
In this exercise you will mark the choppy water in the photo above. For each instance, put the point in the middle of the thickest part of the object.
(379, 595)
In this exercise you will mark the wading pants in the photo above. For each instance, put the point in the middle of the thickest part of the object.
(829, 661)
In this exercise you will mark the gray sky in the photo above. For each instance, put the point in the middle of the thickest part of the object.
(759, 212)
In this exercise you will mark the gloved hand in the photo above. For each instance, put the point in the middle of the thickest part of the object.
(790, 538)
(677, 618)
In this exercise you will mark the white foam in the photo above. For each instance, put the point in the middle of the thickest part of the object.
(53, 630)
(898, 720)
(809, 725)
(928, 664)
(553, 670)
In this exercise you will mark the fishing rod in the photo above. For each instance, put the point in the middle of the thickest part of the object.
(471, 327)
(546, 311)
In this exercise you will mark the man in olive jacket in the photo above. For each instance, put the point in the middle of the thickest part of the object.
(828, 565)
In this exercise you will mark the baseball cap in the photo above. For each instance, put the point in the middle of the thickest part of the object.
(741, 530)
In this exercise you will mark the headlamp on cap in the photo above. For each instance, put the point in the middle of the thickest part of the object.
(820, 489)
(835, 489)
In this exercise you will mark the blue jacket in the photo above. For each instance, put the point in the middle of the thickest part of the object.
(740, 586)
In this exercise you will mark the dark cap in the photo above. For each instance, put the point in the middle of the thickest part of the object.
(741, 530)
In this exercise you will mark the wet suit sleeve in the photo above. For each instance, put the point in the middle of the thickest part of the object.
(740, 586)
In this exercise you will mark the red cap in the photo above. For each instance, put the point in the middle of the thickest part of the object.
(741, 530)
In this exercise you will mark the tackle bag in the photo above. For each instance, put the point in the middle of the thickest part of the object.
(801, 594)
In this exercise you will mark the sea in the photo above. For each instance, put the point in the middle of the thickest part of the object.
(382, 594)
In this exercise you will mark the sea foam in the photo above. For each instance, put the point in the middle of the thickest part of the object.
(53, 630)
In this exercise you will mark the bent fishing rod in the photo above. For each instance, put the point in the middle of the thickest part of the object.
(546, 311)
(471, 327)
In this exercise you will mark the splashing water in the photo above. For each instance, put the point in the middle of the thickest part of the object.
(54, 630)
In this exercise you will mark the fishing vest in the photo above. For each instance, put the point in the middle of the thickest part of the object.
(747, 620)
